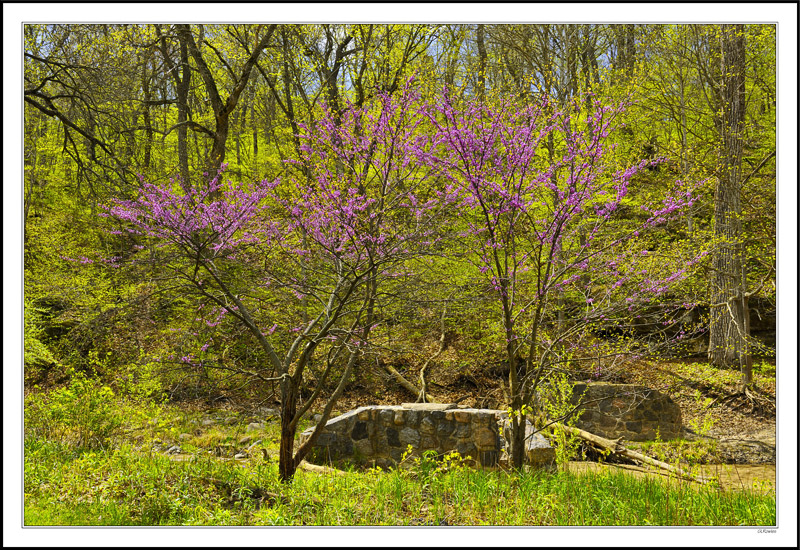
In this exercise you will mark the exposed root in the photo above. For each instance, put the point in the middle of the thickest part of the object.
(749, 399)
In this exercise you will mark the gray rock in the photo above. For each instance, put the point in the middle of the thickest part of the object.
(184, 436)
(173, 450)
(396, 453)
(208, 422)
(427, 443)
(363, 449)
(444, 428)
(253, 426)
(466, 449)
(634, 426)
(371, 435)
(380, 446)
(360, 430)
(462, 430)
(392, 437)
(324, 438)
(409, 436)
(486, 439)
(427, 426)
(539, 454)
(342, 448)
(411, 418)
(627, 410)
(241, 455)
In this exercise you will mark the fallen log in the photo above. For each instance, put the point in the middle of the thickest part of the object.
(613, 446)
(320, 469)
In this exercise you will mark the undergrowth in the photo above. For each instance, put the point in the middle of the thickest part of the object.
(123, 487)
(93, 457)
(127, 484)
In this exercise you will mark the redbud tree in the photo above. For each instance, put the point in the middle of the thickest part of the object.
(539, 227)
(324, 241)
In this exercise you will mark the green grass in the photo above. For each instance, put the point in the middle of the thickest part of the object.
(679, 451)
(126, 482)
(127, 487)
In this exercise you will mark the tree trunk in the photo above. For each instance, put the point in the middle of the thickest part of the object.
(182, 95)
(240, 118)
(517, 457)
(286, 462)
(222, 107)
(148, 123)
(518, 441)
(254, 123)
(746, 363)
(728, 330)
(181, 78)
(684, 146)
(217, 156)
(626, 48)
(481, 63)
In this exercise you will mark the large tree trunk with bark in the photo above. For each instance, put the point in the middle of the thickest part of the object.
(728, 329)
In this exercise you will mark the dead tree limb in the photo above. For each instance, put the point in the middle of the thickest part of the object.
(614, 446)
(423, 392)
(422, 397)
(403, 381)
(319, 469)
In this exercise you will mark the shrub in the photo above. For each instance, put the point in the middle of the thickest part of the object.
(556, 398)
(82, 414)
(37, 354)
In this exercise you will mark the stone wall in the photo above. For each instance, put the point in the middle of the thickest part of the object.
(632, 412)
(380, 435)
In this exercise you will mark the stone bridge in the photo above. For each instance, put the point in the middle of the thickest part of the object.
(379, 435)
